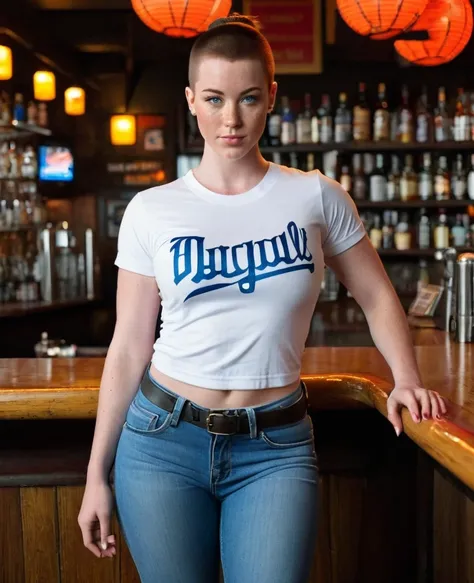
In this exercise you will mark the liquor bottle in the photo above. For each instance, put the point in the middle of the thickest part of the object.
(294, 160)
(276, 158)
(458, 232)
(14, 170)
(424, 231)
(441, 231)
(375, 234)
(274, 128)
(381, 116)
(423, 277)
(359, 182)
(425, 178)
(369, 163)
(309, 162)
(325, 120)
(469, 230)
(461, 118)
(32, 113)
(4, 161)
(459, 186)
(378, 181)
(342, 121)
(345, 179)
(18, 108)
(361, 117)
(408, 181)
(470, 180)
(441, 122)
(402, 236)
(43, 115)
(288, 125)
(393, 183)
(316, 127)
(406, 118)
(5, 113)
(424, 121)
(387, 231)
(441, 180)
(303, 122)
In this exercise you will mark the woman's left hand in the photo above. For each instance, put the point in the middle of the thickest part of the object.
(422, 404)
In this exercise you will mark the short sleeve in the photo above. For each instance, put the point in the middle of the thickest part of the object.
(133, 240)
(344, 227)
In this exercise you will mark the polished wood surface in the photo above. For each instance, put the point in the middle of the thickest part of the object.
(336, 378)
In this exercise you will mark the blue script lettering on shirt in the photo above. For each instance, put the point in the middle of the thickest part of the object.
(242, 263)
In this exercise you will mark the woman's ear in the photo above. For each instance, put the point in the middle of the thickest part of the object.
(273, 92)
(190, 99)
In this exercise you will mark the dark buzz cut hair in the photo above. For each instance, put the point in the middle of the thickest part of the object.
(235, 37)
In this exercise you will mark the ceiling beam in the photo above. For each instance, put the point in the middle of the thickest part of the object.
(20, 24)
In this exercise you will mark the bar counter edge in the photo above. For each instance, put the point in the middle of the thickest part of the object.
(336, 377)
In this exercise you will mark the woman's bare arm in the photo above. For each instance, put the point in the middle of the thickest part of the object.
(138, 304)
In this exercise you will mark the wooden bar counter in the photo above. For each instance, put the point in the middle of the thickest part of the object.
(392, 509)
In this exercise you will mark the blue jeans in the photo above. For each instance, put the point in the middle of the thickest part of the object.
(186, 497)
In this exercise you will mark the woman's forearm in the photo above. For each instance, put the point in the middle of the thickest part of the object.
(121, 377)
(391, 334)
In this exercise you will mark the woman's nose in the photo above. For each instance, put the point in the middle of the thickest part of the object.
(232, 116)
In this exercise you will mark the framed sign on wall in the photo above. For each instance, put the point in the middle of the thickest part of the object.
(293, 29)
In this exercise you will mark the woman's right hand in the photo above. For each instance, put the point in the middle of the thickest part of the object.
(95, 519)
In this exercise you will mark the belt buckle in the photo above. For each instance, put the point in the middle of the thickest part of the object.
(233, 417)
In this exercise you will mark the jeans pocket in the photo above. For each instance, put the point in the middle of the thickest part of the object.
(293, 435)
(145, 419)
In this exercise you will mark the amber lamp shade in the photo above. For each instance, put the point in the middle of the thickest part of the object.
(44, 86)
(6, 63)
(449, 24)
(123, 130)
(381, 19)
(180, 18)
(75, 101)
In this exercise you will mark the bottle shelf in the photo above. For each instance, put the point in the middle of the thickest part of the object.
(21, 228)
(417, 252)
(414, 204)
(19, 129)
(375, 147)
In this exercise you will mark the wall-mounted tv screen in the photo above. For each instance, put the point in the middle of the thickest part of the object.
(55, 163)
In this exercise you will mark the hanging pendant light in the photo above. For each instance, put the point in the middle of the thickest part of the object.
(380, 19)
(6, 63)
(44, 86)
(449, 24)
(180, 18)
(123, 130)
(75, 101)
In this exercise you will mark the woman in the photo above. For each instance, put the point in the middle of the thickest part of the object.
(213, 445)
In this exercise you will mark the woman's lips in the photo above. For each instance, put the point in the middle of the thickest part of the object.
(232, 140)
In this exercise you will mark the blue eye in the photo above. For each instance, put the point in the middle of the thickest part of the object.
(250, 99)
(214, 100)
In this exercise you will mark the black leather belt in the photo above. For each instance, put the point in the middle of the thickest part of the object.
(219, 422)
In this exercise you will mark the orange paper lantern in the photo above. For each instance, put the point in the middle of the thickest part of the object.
(449, 24)
(380, 19)
(180, 18)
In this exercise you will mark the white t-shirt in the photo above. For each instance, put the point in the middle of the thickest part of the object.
(239, 275)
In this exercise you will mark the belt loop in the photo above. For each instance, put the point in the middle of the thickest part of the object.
(178, 408)
(252, 422)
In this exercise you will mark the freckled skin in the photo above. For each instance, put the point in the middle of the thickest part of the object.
(232, 109)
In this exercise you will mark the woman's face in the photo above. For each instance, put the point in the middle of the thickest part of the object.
(231, 100)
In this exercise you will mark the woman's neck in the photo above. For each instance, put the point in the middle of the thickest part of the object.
(231, 176)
